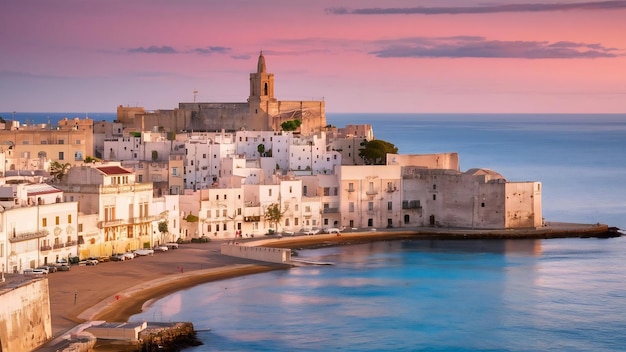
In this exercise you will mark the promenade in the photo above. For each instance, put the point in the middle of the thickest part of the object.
(114, 291)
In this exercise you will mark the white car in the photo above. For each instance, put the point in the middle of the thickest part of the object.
(162, 248)
(310, 231)
(143, 252)
(129, 255)
(331, 230)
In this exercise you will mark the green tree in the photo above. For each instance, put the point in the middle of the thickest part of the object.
(91, 159)
(58, 170)
(163, 228)
(291, 125)
(273, 214)
(375, 152)
(261, 149)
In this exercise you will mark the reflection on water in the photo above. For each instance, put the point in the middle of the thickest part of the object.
(567, 294)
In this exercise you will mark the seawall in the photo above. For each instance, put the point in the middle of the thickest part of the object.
(25, 321)
(264, 254)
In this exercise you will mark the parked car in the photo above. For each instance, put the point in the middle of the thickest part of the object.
(51, 268)
(104, 258)
(310, 231)
(172, 245)
(288, 233)
(88, 261)
(62, 261)
(119, 257)
(128, 255)
(162, 248)
(37, 271)
(43, 268)
(63, 267)
(143, 252)
(331, 230)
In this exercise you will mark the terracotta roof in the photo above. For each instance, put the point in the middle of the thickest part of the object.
(113, 170)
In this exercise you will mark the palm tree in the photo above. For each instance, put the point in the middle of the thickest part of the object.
(58, 170)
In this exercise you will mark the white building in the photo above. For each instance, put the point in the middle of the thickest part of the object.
(36, 226)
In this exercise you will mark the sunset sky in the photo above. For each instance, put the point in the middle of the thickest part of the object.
(381, 56)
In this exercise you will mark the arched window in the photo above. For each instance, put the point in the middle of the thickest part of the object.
(265, 88)
(42, 154)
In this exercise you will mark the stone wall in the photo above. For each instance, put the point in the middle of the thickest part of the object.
(25, 322)
(264, 254)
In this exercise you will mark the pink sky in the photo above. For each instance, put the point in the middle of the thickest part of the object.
(359, 56)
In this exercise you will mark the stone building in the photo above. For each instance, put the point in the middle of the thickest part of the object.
(261, 112)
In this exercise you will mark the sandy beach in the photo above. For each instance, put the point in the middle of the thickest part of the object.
(114, 291)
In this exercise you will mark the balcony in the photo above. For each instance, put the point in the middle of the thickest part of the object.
(70, 243)
(30, 235)
(391, 189)
(45, 248)
(58, 245)
(330, 210)
(371, 192)
(350, 190)
(411, 204)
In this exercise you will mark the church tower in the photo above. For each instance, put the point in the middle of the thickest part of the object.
(261, 83)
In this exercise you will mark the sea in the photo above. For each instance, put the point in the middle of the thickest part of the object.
(476, 295)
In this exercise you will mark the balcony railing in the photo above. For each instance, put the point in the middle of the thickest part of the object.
(25, 236)
(371, 192)
(58, 245)
(330, 210)
(70, 243)
(46, 248)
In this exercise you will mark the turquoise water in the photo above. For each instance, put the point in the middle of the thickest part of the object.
(544, 295)
(500, 295)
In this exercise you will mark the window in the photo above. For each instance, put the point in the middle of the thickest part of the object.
(175, 171)
(61, 156)
(109, 213)
(389, 205)
(434, 186)
(69, 219)
(351, 207)
(78, 141)
(56, 220)
(370, 206)
(80, 227)
(295, 222)
(290, 189)
(482, 205)
(326, 191)
(350, 187)
(304, 190)
(434, 197)
(224, 212)
(61, 141)
(44, 222)
(270, 192)
(287, 222)
(140, 178)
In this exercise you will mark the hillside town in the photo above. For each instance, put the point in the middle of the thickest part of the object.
(204, 171)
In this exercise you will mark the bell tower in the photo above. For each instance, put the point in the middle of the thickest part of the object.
(261, 83)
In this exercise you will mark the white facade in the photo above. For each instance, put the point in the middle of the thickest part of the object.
(39, 229)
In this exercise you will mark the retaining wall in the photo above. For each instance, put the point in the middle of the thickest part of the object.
(25, 321)
(264, 254)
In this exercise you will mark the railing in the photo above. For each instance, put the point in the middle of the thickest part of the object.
(330, 210)
(371, 192)
(46, 248)
(70, 243)
(58, 245)
(25, 236)
(411, 204)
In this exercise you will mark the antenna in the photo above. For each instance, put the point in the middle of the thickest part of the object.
(195, 94)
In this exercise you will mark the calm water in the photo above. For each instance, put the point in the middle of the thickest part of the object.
(526, 295)
(558, 295)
